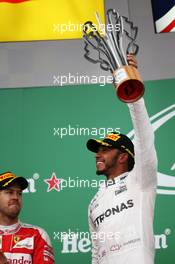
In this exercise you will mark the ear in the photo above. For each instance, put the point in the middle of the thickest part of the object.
(123, 158)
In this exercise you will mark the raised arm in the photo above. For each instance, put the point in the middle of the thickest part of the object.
(145, 169)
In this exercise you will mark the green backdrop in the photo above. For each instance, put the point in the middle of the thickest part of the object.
(43, 135)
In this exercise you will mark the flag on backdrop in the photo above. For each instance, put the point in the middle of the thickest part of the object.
(26, 20)
(164, 15)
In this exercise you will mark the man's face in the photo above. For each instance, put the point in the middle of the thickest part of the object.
(106, 160)
(10, 202)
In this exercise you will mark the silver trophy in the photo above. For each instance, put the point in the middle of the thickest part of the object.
(109, 46)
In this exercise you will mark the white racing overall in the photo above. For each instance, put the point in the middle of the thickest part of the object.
(121, 213)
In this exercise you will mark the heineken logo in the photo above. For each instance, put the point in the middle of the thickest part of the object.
(166, 180)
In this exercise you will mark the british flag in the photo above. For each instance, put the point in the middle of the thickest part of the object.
(164, 15)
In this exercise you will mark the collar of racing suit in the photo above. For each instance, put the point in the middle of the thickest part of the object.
(117, 180)
(7, 230)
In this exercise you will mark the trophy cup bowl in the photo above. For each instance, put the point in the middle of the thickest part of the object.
(128, 83)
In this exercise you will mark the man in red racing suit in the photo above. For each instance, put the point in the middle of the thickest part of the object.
(20, 243)
(25, 244)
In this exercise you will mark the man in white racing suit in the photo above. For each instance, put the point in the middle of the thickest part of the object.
(121, 213)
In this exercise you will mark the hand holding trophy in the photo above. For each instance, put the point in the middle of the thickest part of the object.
(111, 47)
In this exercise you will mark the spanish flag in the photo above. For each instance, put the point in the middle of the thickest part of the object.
(27, 20)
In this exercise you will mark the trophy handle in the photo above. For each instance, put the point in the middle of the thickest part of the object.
(128, 83)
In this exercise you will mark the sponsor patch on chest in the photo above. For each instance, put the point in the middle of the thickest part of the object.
(23, 242)
(114, 210)
(18, 258)
(120, 189)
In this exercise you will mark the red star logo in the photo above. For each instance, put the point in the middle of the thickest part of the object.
(53, 183)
